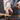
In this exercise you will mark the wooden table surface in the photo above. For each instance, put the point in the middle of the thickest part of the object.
(4, 14)
(7, 15)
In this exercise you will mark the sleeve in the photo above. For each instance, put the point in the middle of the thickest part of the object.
(4, 4)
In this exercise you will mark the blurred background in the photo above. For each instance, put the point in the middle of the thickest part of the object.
(16, 10)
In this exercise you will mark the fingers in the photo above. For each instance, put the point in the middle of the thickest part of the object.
(11, 10)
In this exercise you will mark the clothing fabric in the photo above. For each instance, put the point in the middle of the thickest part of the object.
(8, 4)
(15, 11)
(18, 11)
